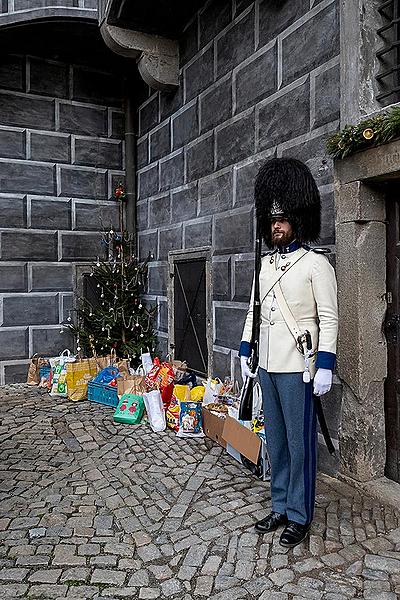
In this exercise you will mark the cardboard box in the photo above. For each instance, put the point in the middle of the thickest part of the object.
(241, 439)
(213, 427)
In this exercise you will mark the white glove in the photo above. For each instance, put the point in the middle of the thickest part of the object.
(246, 369)
(322, 381)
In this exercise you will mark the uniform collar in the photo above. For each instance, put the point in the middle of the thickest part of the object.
(295, 245)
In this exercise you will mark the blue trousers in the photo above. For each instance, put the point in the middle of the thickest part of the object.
(290, 429)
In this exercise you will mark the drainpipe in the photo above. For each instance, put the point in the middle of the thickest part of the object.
(131, 163)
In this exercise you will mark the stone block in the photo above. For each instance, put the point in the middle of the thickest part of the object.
(13, 277)
(245, 176)
(30, 310)
(148, 244)
(327, 96)
(228, 326)
(142, 215)
(160, 211)
(184, 204)
(149, 115)
(95, 217)
(148, 182)
(25, 177)
(221, 274)
(235, 141)
(98, 153)
(28, 245)
(299, 56)
(160, 142)
(243, 279)
(361, 261)
(197, 233)
(357, 201)
(12, 211)
(327, 236)
(48, 78)
(199, 74)
(15, 373)
(213, 19)
(172, 171)
(256, 80)
(96, 87)
(83, 183)
(75, 246)
(236, 44)
(313, 153)
(13, 343)
(170, 238)
(158, 279)
(117, 123)
(12, 143)
(163, 316)
(275, 17)
(143, 153)
(185, 125)
(233, 232)
(215, 194)
(48, 278)
(200, 157)
(49, 341)
(171, 101)
(12, 72)
(50, 147)
(50, 214)
(189, 42)
(83, 120)
(221, 363)
(278, 121)
(22, 111)
(67, 305)
(216, 105)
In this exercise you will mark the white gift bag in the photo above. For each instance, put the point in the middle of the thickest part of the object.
(155, 410)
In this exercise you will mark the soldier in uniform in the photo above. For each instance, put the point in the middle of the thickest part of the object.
(300, 307)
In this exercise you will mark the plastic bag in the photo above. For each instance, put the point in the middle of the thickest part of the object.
(147, 362)
(197, 393)
(155, 410)
(59, 373)
(161, 377)
(107, 375)
(130, 409)
(211, 391)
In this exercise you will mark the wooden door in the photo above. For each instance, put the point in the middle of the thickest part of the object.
(392, 331)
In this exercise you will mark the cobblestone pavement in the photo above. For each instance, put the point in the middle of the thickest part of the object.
(94, 510)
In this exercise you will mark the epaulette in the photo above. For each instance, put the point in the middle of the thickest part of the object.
(270, 253)
(321, 250)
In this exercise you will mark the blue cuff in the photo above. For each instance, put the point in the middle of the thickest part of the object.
(325, 360)
(245, 349)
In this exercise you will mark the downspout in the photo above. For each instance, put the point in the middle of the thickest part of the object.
(131, 164)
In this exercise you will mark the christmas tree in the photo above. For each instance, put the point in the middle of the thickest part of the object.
(113, 317)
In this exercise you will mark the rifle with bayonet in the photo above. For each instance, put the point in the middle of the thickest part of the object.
(246, 396)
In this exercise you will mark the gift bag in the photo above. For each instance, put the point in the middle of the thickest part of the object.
(155, 410)
(190, 419)
(59, 373)
(33, 377)
(79, 373)
(212, 389)
(131, 384)
(130, 409)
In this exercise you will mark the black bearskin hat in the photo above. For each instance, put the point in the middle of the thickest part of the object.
(285, 187)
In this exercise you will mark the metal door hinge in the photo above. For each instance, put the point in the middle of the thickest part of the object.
(389, 297)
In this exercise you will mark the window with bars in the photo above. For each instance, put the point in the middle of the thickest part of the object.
(388, 53)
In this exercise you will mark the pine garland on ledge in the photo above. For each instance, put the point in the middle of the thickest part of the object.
(367, 134)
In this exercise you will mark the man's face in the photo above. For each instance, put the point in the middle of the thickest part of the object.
(282, 232)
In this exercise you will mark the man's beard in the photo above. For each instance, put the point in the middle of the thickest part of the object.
(282, 240)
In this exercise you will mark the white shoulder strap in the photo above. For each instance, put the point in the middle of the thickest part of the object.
(287, 313)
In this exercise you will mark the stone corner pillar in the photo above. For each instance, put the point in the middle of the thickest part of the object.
(362, 355)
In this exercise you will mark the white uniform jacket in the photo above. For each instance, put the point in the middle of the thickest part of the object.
(309, 287)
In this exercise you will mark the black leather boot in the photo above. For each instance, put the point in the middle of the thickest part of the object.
(271, 522)
(293, 534)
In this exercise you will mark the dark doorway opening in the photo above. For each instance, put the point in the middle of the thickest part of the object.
(392, 331)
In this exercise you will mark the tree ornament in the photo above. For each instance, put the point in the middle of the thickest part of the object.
(119, 192)
(69, 319)
(368, 133)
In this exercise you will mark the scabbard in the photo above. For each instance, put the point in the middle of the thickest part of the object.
(322, 424)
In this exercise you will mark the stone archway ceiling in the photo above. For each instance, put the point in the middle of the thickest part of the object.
(148, 32)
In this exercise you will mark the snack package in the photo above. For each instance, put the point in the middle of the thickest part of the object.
(190, 420)
(181, 393)
(130, 409)
(161, 377)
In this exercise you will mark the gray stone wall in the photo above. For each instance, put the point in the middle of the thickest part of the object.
(257, 79)
(16, 11)
(61, 153)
